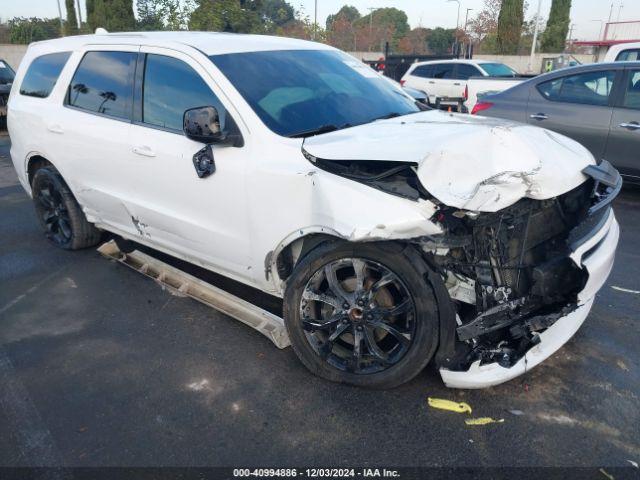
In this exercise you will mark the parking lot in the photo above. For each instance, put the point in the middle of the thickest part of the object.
(101, 367)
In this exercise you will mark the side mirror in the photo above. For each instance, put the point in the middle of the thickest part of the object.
(202, 124)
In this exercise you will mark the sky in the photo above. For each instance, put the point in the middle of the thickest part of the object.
(585, 14)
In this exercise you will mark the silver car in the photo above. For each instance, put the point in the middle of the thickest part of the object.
(598, 105)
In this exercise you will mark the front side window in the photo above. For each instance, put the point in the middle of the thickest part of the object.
(628, 56)
(6, 73)
(171, 87)
(589, 88)
(298, 93)
(43, 74)
(103, 83)
(632, 93)
(465, 72)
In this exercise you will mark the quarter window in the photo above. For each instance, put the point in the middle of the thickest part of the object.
(42, 74)
(423, 71)
(590, 88)
(103, 83)
(632, 94)
(171, 87)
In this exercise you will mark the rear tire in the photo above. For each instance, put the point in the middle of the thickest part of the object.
(367, 294)
(59, 214)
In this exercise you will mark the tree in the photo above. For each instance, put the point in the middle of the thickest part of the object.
(440, 40)
(27, 30)
(383, 25)
(162, 14)
(347, 13)
(114, 15)
(149, 15)
(486, 22)
(71, 25)
(555, 35)
(277, 13)
(415, 42)
(510, 23)
(227, 16)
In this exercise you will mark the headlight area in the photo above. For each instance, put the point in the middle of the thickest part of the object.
(511, 274)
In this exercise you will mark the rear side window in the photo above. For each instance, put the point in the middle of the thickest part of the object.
(42, 74)
(171, 87)
(589, 88)
(464, 72)
(423, 71)
(628, 56)
(632, 94)
(443, 70)
(103, 84)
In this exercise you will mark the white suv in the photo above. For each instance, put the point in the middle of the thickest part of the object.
(393, 235)
(447, 79)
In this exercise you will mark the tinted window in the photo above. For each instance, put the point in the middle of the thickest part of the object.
(590, 88)
(464, 71)
(632, 95)
(103, 83)
(423, 71)
(628, 56)
(295, 92)
(43, 73)
(6, 73)
(498, 70)
(443, 70)
(171, 87)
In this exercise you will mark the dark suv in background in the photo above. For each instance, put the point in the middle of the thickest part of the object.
(6, 80)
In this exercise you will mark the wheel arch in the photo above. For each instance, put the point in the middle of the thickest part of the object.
(34, 162)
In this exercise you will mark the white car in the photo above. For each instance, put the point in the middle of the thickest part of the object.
(623, 52)
(447, 79)
(393, 235)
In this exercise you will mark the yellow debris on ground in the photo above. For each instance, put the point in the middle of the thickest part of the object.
(443, 404)
(482, 421)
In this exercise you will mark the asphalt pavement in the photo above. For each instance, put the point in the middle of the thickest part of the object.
(99, 366)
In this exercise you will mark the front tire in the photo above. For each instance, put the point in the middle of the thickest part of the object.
(362, 314)
(59, 214)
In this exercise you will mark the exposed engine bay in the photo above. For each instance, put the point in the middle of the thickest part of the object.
(510, 274)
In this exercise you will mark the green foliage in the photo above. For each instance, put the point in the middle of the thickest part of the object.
(510, 23)
(391, 18)
(555, 35)
(27, 30)
(114, 15)
(162, 15)
(277, 13)
(227, 16)
(347, 12)
(440, 40)
(71, 25)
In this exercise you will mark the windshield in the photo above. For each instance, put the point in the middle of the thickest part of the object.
(299, 93)
(6, 74)
(498, 70)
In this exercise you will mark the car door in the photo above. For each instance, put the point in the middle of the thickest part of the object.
(172, 208)
(623, 144)
(445, 85)
(463, 72)
(420, 78)
(93, 129)
(578, 105)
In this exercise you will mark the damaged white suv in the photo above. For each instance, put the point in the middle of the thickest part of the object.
(394, 236)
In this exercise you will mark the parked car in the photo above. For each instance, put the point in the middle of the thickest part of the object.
(479, 87)
(6, 80)
(393, 235)
(623, 52)
(597, 105)
(445, 80)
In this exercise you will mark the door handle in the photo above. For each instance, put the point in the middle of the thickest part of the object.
(630, 126)
(144, 151)
(431, 81)
(457, 84)
(55, 128)
(538, 116)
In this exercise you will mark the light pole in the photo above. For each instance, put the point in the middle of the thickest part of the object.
(466, 19)
(60, 15)
(315, 20)
(371, 10)
(458, 18)
(536, 27)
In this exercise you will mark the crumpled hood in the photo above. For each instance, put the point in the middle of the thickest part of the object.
(467, 162)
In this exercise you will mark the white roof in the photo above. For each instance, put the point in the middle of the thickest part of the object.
(210, 43)
(455, 60)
